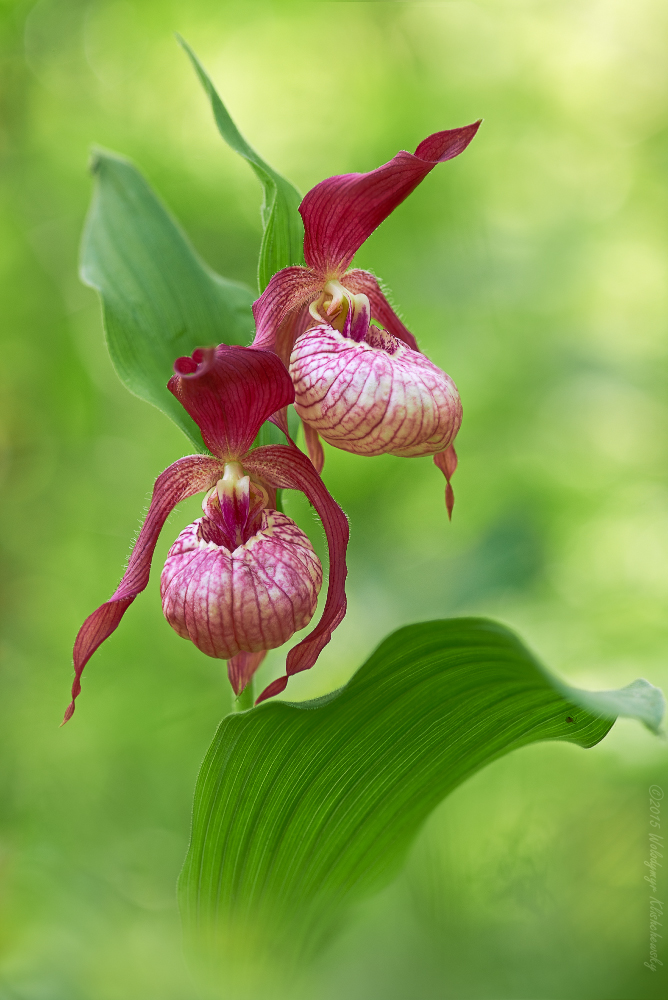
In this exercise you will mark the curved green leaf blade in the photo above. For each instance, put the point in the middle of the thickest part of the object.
(159, 299)
(283, 239)
(301, 809)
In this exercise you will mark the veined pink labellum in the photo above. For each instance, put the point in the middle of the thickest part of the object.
(373, 396)
(242, 579)
(354, 400)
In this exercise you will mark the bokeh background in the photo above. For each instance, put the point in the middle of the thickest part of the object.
(534, 270)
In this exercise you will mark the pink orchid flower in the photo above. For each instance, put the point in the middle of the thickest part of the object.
(366, 390)
(243, 578)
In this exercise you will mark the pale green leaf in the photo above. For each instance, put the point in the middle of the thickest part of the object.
(283, 239)
(159, 299)
(301, 809)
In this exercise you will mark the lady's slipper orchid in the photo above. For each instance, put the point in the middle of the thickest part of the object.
(364, 390)
(243, 578)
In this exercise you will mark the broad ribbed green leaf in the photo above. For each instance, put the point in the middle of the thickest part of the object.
(159, 299)
(300, 809)
(283, 240)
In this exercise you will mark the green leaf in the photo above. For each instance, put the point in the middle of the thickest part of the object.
(159, 299)
(283, 239)
(301, 809)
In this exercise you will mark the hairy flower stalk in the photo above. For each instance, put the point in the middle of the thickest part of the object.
(366, 389)
(243, 578)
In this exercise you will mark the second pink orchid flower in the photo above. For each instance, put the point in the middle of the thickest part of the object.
(360, 388)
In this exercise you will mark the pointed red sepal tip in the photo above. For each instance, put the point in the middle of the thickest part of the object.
(443, 146)
(272, 689)
(449, 500)
(241, 668)
(69, 712)
(446, 461)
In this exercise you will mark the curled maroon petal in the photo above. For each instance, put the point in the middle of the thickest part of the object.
(229, 392)
(286, 467)
(278, 309)
(341, 212)
(245, 599)
(182, 479)
(374, 397)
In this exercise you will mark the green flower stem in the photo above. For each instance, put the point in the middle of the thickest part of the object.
(245, 699)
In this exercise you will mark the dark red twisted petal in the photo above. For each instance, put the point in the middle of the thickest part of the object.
(357, 282)
(286, 467)
(277, 310)
(446, 461)
(229, 392)
(182, 479)
(341, 212)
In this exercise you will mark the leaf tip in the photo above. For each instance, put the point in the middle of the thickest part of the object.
(183, 43)
(94, 161)
(190, 52)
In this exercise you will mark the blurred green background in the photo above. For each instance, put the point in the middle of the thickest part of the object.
(533, 269)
